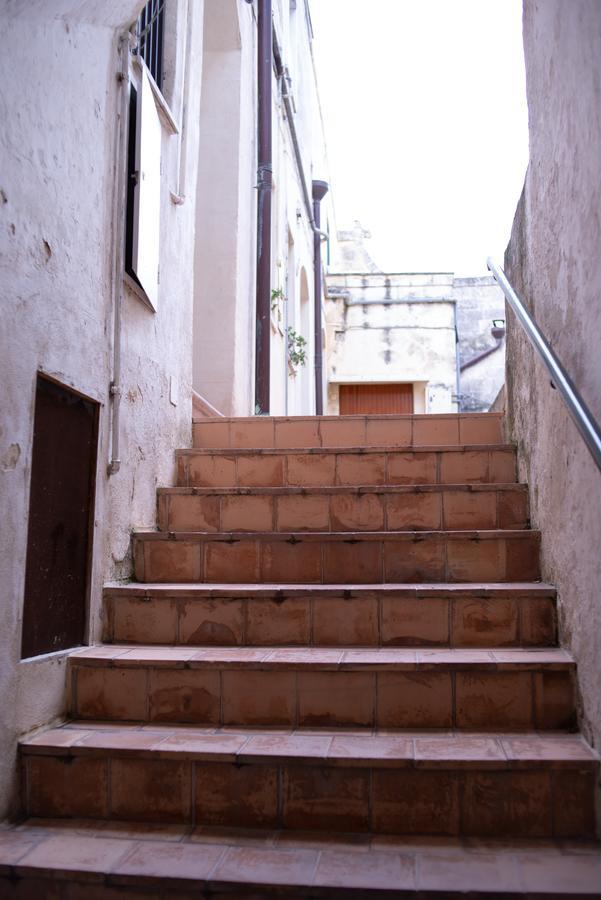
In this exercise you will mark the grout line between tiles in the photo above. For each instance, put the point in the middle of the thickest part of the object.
(445, 553)
(192, 812)
(245, 614)
(296, 716)
(109, 785)
(533, 710)
(221, 720)
(178, 616)
(206, 882)
(285, 481)
(280, 796)
(461, 794)
(375, 700)
(553, 792)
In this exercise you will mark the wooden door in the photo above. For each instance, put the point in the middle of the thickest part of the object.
(61, 509)
(376, 399)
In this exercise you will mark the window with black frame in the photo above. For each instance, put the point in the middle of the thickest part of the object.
(143, 195)
(149, 34)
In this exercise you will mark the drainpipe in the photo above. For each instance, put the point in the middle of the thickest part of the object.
(120, 156)
(498, 333)
(320, 189)
(264, 187)
(312, 212)
(178, 196)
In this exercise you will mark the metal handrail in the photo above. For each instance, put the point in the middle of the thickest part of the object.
(579, 411)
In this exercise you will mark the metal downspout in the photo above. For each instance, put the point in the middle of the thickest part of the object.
(476, 359)
(264, 188)
(118, 248)
(320, 189)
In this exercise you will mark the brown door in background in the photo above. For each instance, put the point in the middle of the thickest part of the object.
(376, 399)
(61, 506)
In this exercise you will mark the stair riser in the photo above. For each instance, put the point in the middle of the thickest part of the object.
(431, 559)
(474, 698)
(372, 431)
(368, 621)
(406, 511)
(405, 801)
(395, 467)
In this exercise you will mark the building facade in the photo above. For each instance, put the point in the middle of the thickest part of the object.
(410, 342)
(128, 208)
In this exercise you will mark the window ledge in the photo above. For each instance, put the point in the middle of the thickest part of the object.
(138, 290)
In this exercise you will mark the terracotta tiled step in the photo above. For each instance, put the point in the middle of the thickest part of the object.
(415, 508)
(349, 431)
(88, 860)
(386, 688)
(412, 784)
(471, 464)
(492, 615)
(337, 557)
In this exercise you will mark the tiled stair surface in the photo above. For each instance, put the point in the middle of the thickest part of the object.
(95, 860)
(337, 675)
(410, 615)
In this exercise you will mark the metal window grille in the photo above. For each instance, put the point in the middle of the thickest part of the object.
(149, 33)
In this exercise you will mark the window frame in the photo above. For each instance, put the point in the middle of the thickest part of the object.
(145, 101)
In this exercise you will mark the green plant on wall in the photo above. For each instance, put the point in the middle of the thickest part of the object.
(297, 355)
(277, 298)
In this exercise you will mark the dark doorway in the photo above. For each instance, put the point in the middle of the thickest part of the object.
(375, 399)
(61, 507)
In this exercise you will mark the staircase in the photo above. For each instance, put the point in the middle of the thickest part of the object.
(335, 675)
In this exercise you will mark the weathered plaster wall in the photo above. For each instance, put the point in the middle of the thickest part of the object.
(393, 328)
(479, 301)
(59, 107)
(553, 261)
(402, 327)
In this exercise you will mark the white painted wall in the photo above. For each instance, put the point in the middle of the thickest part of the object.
(224, 306)
(59, 106)
(225, 227)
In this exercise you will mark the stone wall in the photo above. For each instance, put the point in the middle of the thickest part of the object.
(59, 108)
(553, 262)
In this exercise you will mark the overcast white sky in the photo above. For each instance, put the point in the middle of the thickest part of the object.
(426, 123)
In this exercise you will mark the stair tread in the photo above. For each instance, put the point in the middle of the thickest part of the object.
(127, 854)
(334, 746)
(360, 449)
(389, 417)
(323, 658)
(200, 589)
(482, 534)
(284, 491)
